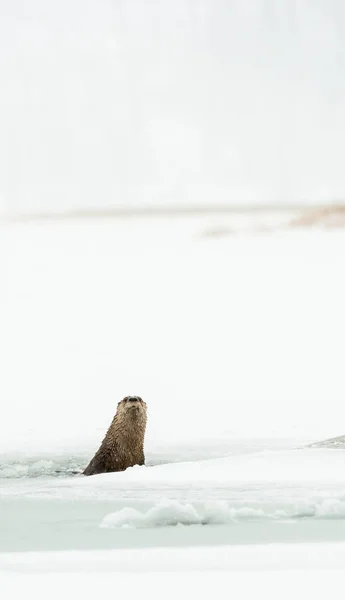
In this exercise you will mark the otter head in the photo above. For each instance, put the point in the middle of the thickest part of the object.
(132, 405)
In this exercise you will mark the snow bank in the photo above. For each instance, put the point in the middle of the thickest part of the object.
(168, 512)
(300, 469)
(198, 584)
(89, 585)
(171, 512)
(291, 467)
(51, 464)
(257, 557)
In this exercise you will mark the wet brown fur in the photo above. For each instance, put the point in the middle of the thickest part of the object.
(123, 444)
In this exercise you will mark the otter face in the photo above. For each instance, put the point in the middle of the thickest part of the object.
(132, 403)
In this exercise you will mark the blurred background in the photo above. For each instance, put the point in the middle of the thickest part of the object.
(170, 103)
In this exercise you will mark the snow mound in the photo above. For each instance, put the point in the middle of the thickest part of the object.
(168, 512)
(335, 443)
(287, 467)
(329, 508)
(255, 557)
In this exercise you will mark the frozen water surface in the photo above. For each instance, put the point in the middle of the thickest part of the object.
(232, 330)
(235, 343)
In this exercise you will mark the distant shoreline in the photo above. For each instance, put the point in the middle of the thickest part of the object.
(167, 211)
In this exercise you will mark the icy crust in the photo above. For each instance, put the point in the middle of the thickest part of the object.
(12, 467)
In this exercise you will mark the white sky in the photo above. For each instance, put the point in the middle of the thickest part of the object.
(114, 102)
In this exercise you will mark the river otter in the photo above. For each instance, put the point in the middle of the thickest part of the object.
(123, 445)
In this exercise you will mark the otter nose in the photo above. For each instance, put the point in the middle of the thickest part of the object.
(133, 399)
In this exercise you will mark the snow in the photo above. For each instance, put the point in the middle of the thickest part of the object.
(238, 337)
(295, 467)
(235, 338)
(168, 513)
(290, 484)
(234, 342)
(231, 327)
(171, 512)
(266, 557)
(202, 584)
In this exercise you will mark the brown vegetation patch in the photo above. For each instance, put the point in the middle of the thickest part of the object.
(327, 217)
